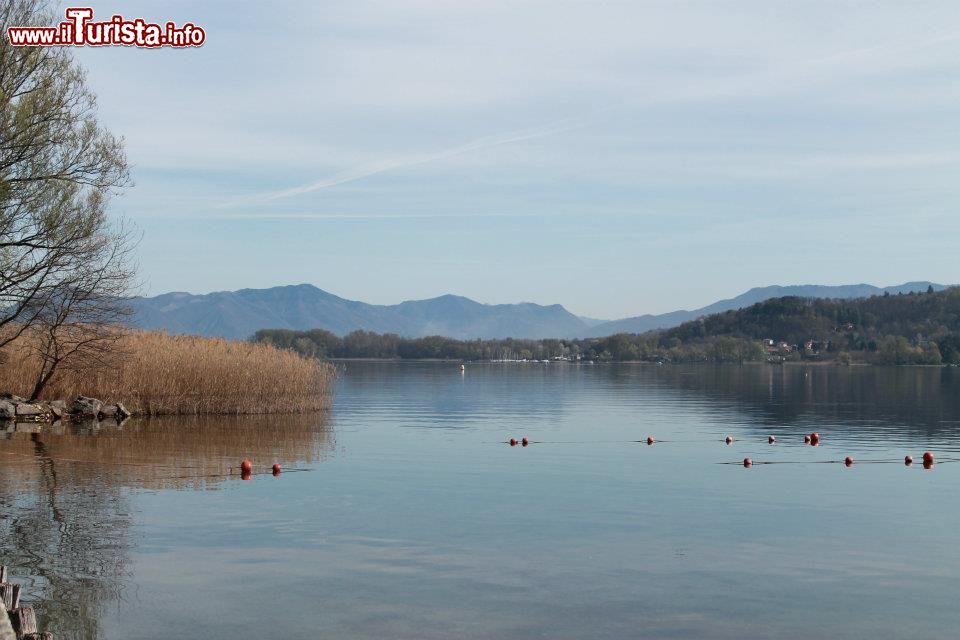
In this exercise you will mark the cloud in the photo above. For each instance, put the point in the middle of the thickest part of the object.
(402, 162)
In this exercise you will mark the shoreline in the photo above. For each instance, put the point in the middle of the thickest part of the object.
(807, 363)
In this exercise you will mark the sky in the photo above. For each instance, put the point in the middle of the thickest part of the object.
(618, 158)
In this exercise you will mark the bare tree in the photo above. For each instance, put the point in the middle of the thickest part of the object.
(58, 169)
(79, 326)
(65, 270)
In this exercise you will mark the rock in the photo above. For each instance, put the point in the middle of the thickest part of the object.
(7, 410)
(9, 397)
(58, 408)
(116, 411)
(29, 427)
(85, 407)
(29, 409)
(108, 411)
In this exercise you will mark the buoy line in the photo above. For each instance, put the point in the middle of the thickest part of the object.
(856, 461)
(813, 439)
(158, 465)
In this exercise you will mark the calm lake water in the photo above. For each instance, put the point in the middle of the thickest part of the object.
(403, 513)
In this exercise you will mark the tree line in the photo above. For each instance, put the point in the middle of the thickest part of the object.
(320, 343)
(921, 328)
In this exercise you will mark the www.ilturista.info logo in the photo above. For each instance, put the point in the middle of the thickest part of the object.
(79, 30)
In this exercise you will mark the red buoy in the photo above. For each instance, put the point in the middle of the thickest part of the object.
(771, 439)
(908, 460)
(928, 457)
(650, 440)
(245, 475)
(276, 469)
(513, 442)
(848, 461)
(927, 465)
(728, 439)
(246, 466)
(806, 439)
(747, 462)
(524, 441)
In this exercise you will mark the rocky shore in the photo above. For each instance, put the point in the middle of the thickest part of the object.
(15, 411)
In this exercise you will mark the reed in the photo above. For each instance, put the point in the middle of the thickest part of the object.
(154, 373)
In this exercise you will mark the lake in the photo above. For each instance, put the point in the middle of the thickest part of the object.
(404, 513)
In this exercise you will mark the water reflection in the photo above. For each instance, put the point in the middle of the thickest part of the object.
(862, 400)
(66, 509)
(437, 395)
(427, 524)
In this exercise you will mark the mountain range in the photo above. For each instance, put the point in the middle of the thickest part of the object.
(239, 314)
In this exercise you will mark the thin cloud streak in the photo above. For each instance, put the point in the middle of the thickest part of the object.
(392, 164)
(371, 216)
(733, 86)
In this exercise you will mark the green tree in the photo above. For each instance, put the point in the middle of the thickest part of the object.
(949, 347)
(931, 354)
(897, 350)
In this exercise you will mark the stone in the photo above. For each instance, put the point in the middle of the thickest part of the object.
(85, 407)
(116, 411)
(58, 408)
(29, 409)
(108, 411)
(9, 397)
(7, 410)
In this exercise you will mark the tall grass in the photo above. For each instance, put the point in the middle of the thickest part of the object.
(154, 373)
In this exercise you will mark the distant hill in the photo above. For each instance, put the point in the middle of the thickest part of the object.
(239, 314)
(918, 320)
(644, 323)
(902, 329)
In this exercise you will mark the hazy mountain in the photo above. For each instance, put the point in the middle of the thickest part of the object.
(641, 324)
(592, 322)
(238, 314)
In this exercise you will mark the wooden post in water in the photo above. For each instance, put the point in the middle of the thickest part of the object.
(24, 621)
(10, 596)
(7, 596)
(16, 622)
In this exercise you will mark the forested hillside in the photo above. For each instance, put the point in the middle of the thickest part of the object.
(923, 321)
(914, 328)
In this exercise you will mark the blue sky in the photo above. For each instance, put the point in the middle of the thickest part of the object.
(616, 157)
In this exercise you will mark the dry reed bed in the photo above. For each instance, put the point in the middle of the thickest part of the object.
(154, 373)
